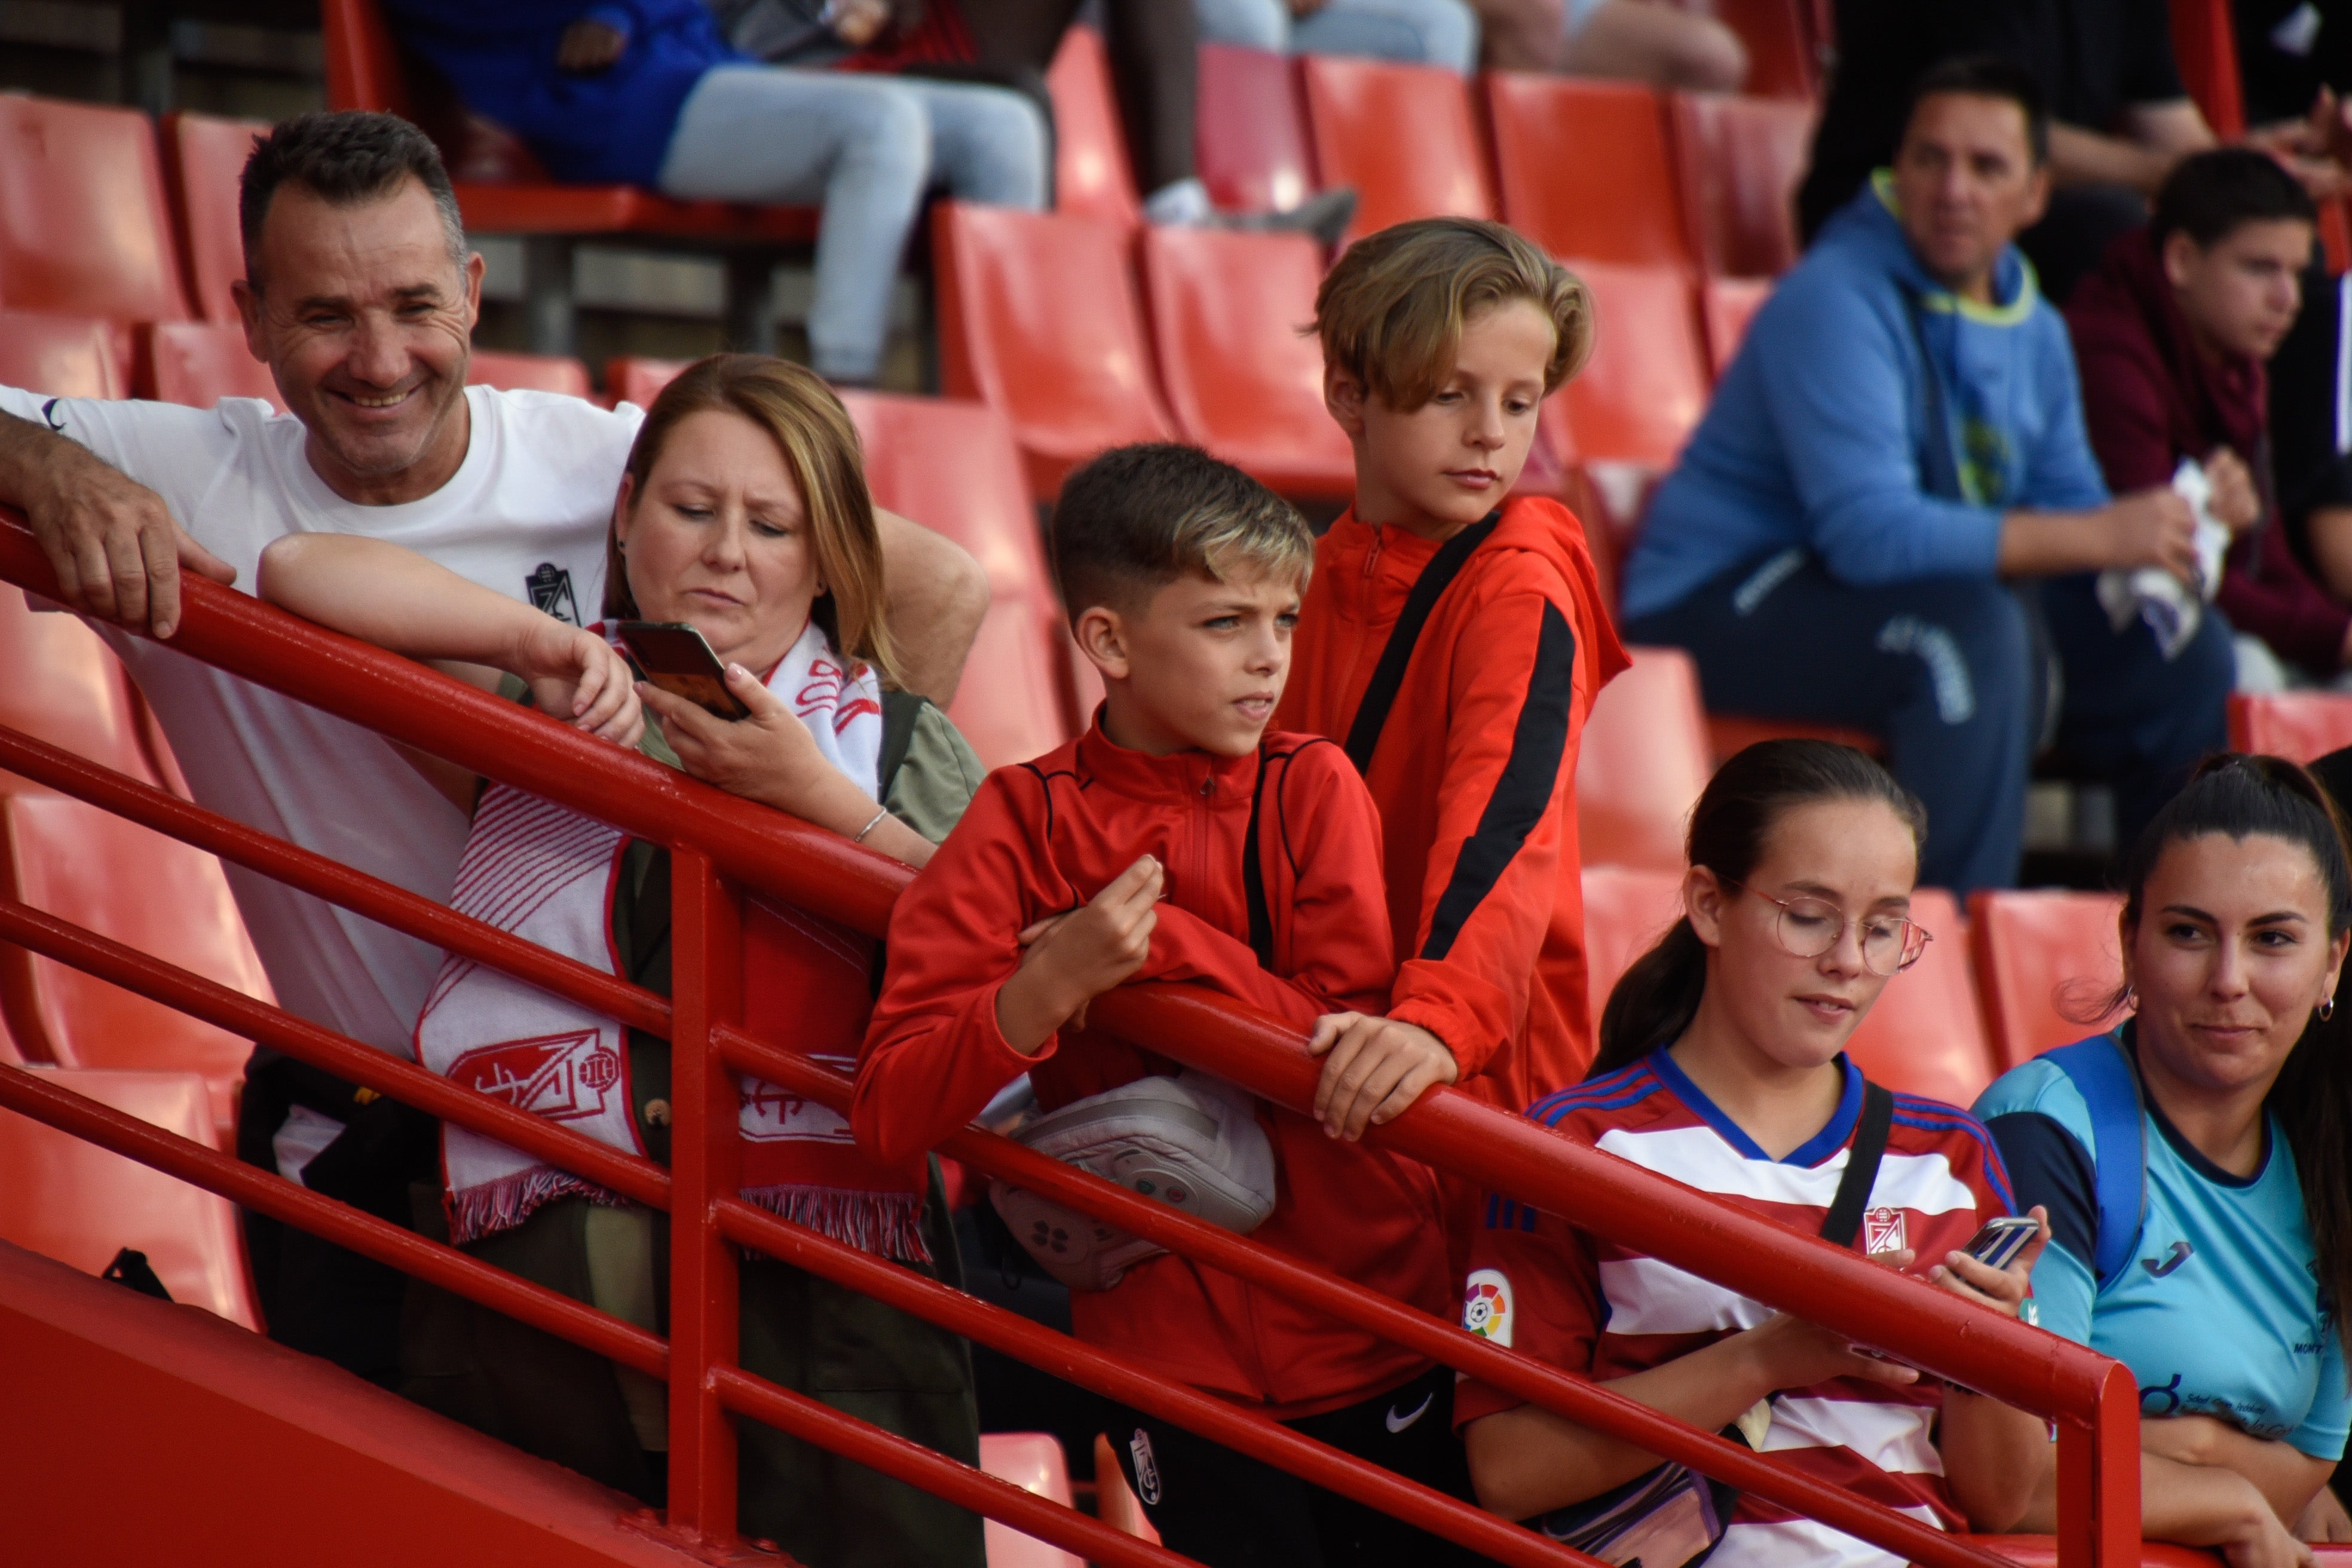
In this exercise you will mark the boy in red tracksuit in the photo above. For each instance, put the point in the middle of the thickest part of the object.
(1122, 857)
(1454, 640)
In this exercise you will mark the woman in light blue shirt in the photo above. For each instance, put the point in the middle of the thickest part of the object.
(2194, 1164)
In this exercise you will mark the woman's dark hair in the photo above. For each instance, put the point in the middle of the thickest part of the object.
(2239, 797)
(1736, 813)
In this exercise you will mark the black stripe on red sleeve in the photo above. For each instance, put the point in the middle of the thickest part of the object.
(1524, 791)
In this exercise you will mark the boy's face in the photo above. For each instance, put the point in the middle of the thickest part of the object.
(2241, 294)
(1200, 666)
(1439, 468)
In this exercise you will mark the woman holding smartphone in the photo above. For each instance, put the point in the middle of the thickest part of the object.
(2222, 1274)
(742, 515)
(1722, 1064)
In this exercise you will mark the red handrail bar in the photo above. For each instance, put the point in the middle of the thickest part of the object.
(217, 1004)
(2098, 1419)
(23, 1091)
(380, 900)
(1576, 1398)
(1240, 1429)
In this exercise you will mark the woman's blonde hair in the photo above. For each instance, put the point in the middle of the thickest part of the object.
(1390, 313)
(821, 448)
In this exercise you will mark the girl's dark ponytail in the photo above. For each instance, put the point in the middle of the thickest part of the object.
(1658, 997)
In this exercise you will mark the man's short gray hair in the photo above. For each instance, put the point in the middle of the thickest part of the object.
(345, 157)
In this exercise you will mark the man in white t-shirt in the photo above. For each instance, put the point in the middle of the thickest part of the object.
(362, 297)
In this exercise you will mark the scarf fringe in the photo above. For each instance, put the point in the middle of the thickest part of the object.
(490, 1207)
(889, 1225)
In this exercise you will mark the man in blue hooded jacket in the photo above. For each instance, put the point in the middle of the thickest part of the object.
(1891, 517)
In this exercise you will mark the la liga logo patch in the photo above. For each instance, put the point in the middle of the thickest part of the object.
(1487, 1310)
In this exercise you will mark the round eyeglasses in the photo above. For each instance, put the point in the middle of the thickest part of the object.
(1809, 928)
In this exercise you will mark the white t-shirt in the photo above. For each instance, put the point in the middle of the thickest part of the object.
(525, 514)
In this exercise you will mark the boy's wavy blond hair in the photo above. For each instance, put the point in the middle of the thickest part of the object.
(1390, 313)
(820, 445)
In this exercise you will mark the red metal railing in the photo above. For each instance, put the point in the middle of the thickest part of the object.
(724, 849)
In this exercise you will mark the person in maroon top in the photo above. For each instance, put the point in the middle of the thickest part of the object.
(2172, 335)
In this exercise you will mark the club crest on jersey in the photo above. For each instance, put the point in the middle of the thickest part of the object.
(1147, 1468)
(1883, 1230)
(560, 1076)
(779, 1116)
(549, 587)
(1486, 1306)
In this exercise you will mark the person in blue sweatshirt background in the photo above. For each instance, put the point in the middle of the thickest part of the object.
(646, 92)
(1891, 517)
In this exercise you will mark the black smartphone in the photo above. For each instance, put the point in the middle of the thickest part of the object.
(676, 659)
(1997, 1241)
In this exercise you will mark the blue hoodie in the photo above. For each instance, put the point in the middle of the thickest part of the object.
(610, 127)
(1822, 433)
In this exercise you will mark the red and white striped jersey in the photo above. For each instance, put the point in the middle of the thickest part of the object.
(1571, 1299)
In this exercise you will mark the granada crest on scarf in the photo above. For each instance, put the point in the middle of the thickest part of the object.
(547, 873)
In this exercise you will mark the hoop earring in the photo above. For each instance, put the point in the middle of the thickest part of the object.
(2326, 1008)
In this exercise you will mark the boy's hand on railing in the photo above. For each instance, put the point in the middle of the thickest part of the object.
(1072, 959)
(576, 676)
(2003, 1290)
(1374, 1069)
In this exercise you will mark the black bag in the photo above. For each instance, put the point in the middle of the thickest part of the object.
(1673, 1517)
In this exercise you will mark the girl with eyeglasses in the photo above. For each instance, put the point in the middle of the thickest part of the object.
(2194, 1163)
(1722, 1064)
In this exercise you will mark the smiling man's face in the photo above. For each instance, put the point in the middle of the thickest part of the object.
(367, 321)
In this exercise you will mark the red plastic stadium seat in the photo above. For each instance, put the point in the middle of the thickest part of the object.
(1250, 142)
(1092, 176)
(203, 158)
(1242, 382)
(138, 888)
(1039, 317)
(1584, 168)
(1626, 909)
(527, 372)
(1782, 60)
(1033, 1461)
(2301, 726)
(78, 1204)
(1115, 1501)
(65, 687)
(1926, 1033)
(639, 381)
(364, 71)
(1729, 734)
(1725, 306)
(61, 356)
(84, 224)
(1641, 764)
(1646, 384)
(200, 362)
(1406, 137)
(1741, 158)
(2040, 956)
(952, 466)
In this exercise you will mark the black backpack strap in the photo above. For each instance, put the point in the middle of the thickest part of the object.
(1844, 1219)
(1387, 676)
(1261, 918)
(900, 709)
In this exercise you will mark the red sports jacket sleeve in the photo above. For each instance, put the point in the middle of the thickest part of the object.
(1516, 714)
(934, 1057)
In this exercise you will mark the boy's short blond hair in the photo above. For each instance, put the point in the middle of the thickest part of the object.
(1390, 313)
(1137, 517)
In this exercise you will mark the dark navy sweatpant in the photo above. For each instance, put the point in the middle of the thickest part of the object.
(1954, 673)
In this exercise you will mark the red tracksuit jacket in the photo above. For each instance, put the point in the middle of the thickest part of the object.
(1042, 839)
(1474, 777)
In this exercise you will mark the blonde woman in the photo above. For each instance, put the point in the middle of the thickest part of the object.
(744, 512)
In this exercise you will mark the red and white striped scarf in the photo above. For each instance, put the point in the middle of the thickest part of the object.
(547, 874)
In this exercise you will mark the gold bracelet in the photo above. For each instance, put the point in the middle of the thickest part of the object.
(870, 827)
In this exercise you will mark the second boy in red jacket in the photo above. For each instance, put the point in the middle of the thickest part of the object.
(1441, 338)
(1121, 857)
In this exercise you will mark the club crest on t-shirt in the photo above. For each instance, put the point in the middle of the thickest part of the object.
(1883, 1231)
(549, 587)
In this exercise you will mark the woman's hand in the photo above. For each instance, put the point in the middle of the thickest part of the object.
(1797, 1352)
(2003, 1290)
(2324, 1520)
(576, 676)
(769, 757)
(2264, 1543)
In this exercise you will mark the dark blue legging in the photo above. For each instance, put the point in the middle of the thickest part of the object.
(1953, 673)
